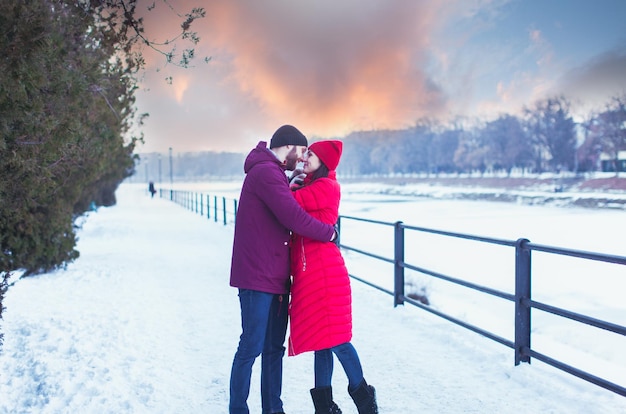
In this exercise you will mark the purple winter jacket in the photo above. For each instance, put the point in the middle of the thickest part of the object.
(266, 213)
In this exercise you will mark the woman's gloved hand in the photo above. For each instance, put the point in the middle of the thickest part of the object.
(297, 178)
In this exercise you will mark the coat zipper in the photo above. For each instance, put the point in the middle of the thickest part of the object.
(303, 254)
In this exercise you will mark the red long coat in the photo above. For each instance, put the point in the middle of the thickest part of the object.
(321, 301)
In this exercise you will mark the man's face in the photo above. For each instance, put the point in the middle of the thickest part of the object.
(294, 156)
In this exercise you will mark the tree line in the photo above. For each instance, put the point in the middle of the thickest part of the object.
(187, 166)
(544, 139)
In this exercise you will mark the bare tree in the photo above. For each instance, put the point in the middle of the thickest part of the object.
(611, 128)
(509, 146)
(551, 129)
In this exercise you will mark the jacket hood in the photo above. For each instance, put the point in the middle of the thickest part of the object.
(259, 154)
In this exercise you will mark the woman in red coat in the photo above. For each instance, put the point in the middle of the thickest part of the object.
(321, 302)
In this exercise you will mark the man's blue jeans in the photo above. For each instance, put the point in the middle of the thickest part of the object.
(264, 327)
(347, 355)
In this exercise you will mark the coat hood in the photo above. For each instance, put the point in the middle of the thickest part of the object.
(259, 154)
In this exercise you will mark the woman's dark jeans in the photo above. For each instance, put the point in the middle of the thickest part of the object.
(349, 359)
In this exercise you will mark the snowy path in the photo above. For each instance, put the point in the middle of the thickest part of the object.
(145, 322)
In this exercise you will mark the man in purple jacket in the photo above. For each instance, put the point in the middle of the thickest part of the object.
(266, 213)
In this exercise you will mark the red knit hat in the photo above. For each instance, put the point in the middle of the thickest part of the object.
(328, 152)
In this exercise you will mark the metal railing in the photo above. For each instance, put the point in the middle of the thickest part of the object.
(214, 207)
(522, 299)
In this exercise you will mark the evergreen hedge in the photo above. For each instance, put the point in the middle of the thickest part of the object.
(66, 104)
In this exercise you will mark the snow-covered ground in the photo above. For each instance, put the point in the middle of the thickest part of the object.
(145, 321)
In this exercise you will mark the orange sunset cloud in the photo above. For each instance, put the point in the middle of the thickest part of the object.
(331, 68)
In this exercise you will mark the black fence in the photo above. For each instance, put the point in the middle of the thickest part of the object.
(218, 209)
(520, 297)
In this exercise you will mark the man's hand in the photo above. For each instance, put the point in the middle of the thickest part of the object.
(335, 237)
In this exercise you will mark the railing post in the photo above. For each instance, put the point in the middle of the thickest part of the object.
(339, 231)
(235, 210)
(224, 208)
(522, 298)
(201, 204)
(215, 208)
(208, 206)
(398, 260)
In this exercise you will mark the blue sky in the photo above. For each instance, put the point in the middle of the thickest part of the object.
(332, 67)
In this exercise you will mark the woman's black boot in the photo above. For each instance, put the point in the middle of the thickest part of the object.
(364, 397)
(323, 401)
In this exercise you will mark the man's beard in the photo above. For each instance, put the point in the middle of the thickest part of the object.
(291, 160)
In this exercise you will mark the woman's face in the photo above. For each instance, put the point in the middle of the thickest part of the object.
(311, 162)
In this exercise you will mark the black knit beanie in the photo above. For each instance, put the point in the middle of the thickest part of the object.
(288, 135)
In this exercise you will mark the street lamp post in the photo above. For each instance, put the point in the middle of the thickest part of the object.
(171, 177)
(171, 170)
(159, 171)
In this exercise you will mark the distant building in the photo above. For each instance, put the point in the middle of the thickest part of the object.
(608, 165)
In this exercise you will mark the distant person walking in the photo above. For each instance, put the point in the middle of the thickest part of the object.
(266, 213)
(321, 303)
(151, 189)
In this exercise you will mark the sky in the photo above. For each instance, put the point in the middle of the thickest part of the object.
(144, 321)
(331, 67)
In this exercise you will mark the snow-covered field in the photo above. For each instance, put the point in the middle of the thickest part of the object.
(145, 322)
